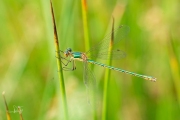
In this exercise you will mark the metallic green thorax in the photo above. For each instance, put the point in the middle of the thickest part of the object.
(77, 54)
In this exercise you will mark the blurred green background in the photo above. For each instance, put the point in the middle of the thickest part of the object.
(28, 71)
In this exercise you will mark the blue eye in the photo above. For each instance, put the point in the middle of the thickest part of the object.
(69, 50)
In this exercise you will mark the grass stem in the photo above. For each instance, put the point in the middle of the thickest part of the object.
(107, 78)
(59, 65)
(85, 25)
(87, 47)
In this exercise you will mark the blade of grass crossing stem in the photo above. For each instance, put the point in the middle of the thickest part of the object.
(59, 65)
(7, 110)
(87, 47)
(107, 78)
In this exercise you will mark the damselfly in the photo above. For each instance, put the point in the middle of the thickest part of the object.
(103, 53)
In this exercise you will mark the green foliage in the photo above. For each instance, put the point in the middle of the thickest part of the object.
(28, 71)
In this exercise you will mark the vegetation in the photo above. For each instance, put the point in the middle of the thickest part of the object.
(29, 74)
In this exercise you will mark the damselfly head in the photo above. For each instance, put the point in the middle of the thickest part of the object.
(69, 49)
(68, 52)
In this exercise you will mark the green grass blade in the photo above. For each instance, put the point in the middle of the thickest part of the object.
(173, 60)
(86, 33)
(107, 78)
(59, 65)
(87, 47)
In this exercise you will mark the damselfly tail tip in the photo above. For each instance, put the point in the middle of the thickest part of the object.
(151, 79)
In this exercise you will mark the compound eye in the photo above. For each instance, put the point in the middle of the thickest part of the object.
(69, 49)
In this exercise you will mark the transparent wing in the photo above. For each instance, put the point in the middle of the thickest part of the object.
(101, 49)
(89, 79)
(90, 82)
(116, 54)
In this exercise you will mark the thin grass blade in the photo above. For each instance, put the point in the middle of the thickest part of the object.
(59, 65)
(107, 76)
